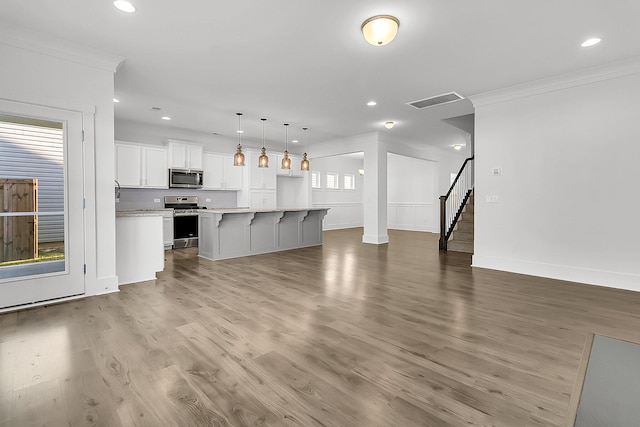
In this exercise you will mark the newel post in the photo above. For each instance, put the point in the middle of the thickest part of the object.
(443, 223)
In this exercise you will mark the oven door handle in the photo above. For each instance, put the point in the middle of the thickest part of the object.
(185, 214)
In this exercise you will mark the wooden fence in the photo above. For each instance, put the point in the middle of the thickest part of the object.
(18, 234)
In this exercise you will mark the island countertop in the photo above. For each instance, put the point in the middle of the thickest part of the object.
(248, 210)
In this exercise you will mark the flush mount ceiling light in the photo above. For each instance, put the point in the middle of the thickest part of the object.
(304, 164)
(389, 125)
(116, 100)
(380, 29)
(371, 103)
(591, 42)
(124, 6)
(238, 158)
(263, 160)
(361, 172)
(165, 118)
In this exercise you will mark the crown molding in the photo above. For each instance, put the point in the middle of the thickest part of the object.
(560, 82)
(58, 48)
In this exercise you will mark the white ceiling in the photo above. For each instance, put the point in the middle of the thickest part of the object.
(306, 62)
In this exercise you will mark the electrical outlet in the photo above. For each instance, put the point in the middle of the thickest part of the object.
(208, 200)
(496, 171)
(156, 200)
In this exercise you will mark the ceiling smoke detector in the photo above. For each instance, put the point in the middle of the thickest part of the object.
(445, 98)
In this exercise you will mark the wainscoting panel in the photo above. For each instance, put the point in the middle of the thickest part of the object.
(412, 216)
(342, 215)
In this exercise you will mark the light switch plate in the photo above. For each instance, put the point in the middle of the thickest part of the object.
(156, 200)
(492, 199)
(207, 200)
(496, 171)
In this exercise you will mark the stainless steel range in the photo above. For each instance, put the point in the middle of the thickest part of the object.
(185, 220)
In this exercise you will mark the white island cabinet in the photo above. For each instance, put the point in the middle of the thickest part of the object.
(233, 233)
(139, 246)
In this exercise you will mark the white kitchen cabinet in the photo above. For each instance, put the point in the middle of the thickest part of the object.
(220, 173)
(262, 178)
(155, 172)
(262, 199)
(141, 166)
(295, 166)
(128, 165)
(185, 155)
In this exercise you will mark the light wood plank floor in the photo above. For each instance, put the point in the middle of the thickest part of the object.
(345, 334)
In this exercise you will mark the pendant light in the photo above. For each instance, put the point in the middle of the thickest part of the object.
(263, 160)
(286, 161)
(238, 158)
(304, 164)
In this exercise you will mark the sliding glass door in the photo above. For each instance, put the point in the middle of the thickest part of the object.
(41, 204)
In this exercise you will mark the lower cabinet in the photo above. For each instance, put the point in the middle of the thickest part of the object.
(262, 199)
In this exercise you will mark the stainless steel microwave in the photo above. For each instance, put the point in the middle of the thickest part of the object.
(185, 178)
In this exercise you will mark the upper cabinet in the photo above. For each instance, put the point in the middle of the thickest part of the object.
(220, 173)
(141, 166)
(185, 155)
(261, 178)
(295, 170)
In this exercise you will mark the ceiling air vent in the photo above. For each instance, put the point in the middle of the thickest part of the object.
(435, 100)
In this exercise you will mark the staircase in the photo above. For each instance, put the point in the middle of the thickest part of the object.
(461, 239)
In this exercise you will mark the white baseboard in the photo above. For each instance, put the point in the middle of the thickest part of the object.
(609, 279)
(341, 226)
(102, 285)
(375, 240)
(414, 228)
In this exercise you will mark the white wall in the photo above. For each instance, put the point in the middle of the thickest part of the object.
(67, 78)
(568, 200)
(412, 201)
(346, 205)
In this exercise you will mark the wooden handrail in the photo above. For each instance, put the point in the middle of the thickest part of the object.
(445, 232)
(453, 184)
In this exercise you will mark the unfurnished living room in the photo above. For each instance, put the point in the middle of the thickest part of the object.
(363, 213)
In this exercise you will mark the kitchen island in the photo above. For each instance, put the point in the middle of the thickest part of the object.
(233, 233)
(139, 247)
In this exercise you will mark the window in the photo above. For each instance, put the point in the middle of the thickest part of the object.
(349, 182)
(315, 179)
(332, 180)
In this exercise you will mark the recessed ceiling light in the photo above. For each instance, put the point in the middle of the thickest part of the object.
(371, 103)
(457, 147)
(239, 131)
(116, 100)
(591, 42)
(124, 6)
(166, 118)
(388, 125)
(295, 141)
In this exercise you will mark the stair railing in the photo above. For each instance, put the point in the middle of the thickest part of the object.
(453, 202)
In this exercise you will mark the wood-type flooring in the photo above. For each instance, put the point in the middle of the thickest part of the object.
(346, 334)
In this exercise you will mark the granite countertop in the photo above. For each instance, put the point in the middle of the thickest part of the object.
(121, 214)
(247, 210)
(143, 210)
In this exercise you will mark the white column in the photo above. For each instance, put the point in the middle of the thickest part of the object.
(375, 192)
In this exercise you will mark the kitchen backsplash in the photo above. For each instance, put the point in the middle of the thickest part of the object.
(146, 198)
